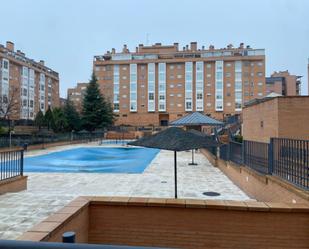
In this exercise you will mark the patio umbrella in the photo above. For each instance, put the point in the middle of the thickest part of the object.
(195, 121)
(205, 136)
(174, 139)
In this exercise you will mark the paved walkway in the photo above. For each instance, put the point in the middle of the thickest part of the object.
(47, 193)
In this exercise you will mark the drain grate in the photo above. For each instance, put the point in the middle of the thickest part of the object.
(211, 193)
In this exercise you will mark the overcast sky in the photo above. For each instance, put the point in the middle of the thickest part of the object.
(68, 33)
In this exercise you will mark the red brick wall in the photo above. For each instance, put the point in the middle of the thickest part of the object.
(14, 184)
(262, 188)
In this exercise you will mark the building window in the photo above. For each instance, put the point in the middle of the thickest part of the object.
(259, 74)
(188, 85)
(238, 85)
(219, 86)
(133, 87)
(151, 87)
(199, 86)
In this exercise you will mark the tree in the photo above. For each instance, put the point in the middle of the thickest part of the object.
(9, 104)
(59, 121)
(49, 118)
(97, 112)
(39, 119)
(72, 117)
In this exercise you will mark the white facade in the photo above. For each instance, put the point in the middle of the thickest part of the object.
(199, 86)
(4, 82)
(42, 92)
(133, 87)
(238, 86)
(219, 86)
(162, 87)
(116, 88)
(188, 85)
(151, 87)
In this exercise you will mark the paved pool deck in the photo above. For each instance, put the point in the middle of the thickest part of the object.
(48, 192)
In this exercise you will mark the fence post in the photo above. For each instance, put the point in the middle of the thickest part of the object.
(228, 151)
(270, 156)
(243, 151)
(22, 162)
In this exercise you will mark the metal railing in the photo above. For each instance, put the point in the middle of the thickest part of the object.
(11, 164)
(235, 152)
(290, 160)
(285, 158)
(15, 244)
(255, 156)
(20, 140)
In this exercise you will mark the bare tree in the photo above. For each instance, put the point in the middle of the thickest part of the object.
(9, 104)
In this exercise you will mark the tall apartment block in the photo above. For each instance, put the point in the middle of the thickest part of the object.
(157, 84)
(283, 83)
(76, 95)
(33, 85)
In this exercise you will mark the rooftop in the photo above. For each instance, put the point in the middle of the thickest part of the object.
(20, 56)
(159, 51)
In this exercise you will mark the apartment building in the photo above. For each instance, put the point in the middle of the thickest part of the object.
(159, 83)
(29, 84)
(76, 95)
(283, 83)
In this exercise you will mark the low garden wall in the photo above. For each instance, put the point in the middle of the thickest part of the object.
(260, 187)
(14, 184)
(178, 223)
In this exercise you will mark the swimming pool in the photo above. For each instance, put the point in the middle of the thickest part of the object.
(92, 160)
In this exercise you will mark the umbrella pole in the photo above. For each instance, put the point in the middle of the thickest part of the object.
(175, 172)
(192, 163)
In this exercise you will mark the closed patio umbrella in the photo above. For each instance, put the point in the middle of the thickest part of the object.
(174, 139)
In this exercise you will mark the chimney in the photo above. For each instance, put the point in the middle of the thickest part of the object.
(203, 47)
(125, 49)
(176, 45)
(187, 47)
(193, 46)
(10, 45)
(42, 62)
(241, 45)
(211, 47)
(136, 49)
(113, 50)
(158, 44)
(183, 48)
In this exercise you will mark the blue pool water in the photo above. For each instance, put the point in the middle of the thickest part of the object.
(92, 160)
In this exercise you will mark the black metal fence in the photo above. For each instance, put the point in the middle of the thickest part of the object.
(290, 160)
(286, 158)
(235, 152)
(20, 140)
(11, 164)
(255, 156)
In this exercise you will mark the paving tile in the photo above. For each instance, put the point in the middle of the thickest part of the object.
(48, 193)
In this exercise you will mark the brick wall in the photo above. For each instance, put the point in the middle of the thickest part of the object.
(14, 184)
(180, 223)
(285, 117)
(259, 187)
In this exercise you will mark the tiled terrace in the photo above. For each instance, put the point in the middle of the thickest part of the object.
(47, 193)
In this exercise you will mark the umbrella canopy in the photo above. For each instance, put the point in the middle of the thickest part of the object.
(174, 139)
(195, 119)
